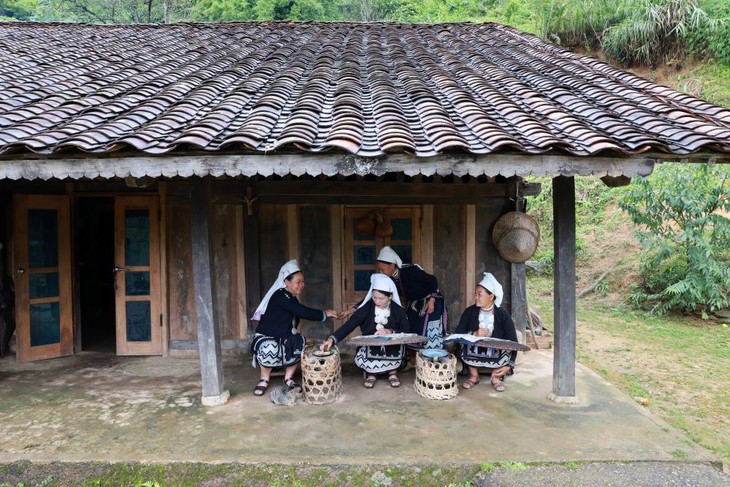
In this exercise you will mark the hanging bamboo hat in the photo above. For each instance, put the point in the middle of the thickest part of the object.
(516, 236)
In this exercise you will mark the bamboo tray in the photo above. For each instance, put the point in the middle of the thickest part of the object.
(384, 340)
(490, 342)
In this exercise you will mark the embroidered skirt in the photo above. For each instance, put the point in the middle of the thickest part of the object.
(491, 358)
(276, 352)
(377, 359)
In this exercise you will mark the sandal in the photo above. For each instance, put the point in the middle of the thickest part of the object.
(498, 386)
(260, 389)
(470, 383)
(393, 380)
(369, 382)
(292, 383)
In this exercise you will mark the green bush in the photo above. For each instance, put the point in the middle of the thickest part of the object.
(685, 235)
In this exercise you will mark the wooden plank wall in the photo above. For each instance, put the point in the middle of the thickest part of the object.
(448, 257)
(488, 259)
(225, 274)
(180, 272)
(273, 248)
(315, 258)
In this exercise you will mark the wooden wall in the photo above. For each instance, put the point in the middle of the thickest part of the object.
(259, 241)
(449, 242)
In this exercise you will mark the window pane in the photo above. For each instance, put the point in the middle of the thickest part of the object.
(137, 283)
(139, 326)
(401, 229)
(405, 252)
(42, 238)
(362, 280)
(43, 284)
(45, 324)
(364, 254)
(137, 232)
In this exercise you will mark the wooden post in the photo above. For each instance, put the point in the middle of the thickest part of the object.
(564, 294)
(518, 299)
(209, 345)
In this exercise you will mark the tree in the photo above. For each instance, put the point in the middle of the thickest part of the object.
(17, 9)
(682, 212)
(113, 11)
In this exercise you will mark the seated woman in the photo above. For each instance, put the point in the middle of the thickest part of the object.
(486, 319)
(379, 313)
(277, 342)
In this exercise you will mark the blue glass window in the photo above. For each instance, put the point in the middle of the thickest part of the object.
(45, 324)
(42, 238)
(137, 243)
(139, 324)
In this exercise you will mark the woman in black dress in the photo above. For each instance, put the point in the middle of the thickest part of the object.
(486, 319)
(277, 342)
(379, 313)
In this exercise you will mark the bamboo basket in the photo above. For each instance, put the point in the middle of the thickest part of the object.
(436, 379)
(321, 375)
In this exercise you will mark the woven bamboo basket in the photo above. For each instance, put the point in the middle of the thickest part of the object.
(436, 379)
(321, 375)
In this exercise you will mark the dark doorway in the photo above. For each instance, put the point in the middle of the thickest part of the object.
(95, 264)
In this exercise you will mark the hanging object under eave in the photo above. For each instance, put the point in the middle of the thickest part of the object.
(516, 236)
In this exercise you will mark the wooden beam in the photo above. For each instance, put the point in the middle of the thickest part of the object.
(564, 293)
(164, 284)
(330, 164)
(209, 345)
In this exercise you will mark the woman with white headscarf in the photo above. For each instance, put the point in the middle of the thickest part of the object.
(379, 313)
(277, 342)
(486, 319)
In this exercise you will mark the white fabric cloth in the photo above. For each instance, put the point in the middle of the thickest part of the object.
(387, 254)
(489, 283)
(289, 268)
(381, 282)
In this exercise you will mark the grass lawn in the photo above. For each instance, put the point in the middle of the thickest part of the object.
(678, 367)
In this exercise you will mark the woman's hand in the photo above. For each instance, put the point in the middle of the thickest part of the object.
(326, 345)
(332, 313)
(346, 313)
(429, 306)
(383, 331)
(482, 332)
(501, 372)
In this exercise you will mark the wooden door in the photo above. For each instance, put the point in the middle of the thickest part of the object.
(362, 242)
(42, 258)
(137, 275)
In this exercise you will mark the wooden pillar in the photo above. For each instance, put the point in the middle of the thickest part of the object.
(209, 345)
(564, 294)
(518, 298)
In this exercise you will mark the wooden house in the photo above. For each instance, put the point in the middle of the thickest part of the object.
(153, 178)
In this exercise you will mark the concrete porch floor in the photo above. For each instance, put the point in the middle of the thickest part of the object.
(100, 407)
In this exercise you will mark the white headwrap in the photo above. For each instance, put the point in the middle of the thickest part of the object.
(388, 255)
(489, 283)
(287, 269)
(381, 282)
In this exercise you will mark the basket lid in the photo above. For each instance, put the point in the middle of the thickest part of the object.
(516, 235)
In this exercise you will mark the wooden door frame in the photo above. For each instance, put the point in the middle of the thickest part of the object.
(422, 242)
(155, 345)
(65, 346)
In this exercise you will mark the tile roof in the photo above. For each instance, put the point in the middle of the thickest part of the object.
(362, 88)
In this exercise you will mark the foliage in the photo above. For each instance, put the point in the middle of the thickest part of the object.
(591, 199)
(655, 31)
(17, 9)
(113, 11)
(686, 237)
(577, 23)
(715, 37)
